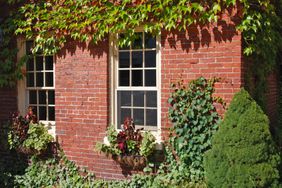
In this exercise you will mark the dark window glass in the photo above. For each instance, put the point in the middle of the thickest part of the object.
(137, 78)
(42, 97)
(124, 78)
(51, 113)
(137, 43)
(39, 79)
(30, 64)
(138, 98)
(30, 80)
(39, 63)
(32, 97)
(137, 59)
(151, 98)
(42, 113)
(49, 79)
(49, 62)
(51, 97)
(124, 59)
(124, 98)
(150, 59)
(150, 41)
(150, 77)
(138, 116)
(151, 117)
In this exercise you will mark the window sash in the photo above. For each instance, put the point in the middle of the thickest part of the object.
(118, 88)
(46, 106)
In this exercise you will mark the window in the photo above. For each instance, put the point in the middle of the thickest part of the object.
(136, 82)
(40, 90)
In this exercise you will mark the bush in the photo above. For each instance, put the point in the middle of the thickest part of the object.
(243, 153)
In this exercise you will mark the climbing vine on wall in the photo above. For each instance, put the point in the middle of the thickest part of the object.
(53, 22)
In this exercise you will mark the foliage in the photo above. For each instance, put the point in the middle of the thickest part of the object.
(147, 145)
(10, 71)
(27, 134)
(243, 153)
(19, 128)
(195, 120)
(128, 141)
(38, 137)
(55, 172)
(60, 172)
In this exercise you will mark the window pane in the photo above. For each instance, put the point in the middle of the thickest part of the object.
(51, 113)
(138, 116)
(39, 63)
(151, 98)
(124, 98)
(42, 97)
(28, 46)
(150, 59)
(51, 97)
(32, 97)
(30, 80)
(49, 79)
(124, 59)
(137, 78)
(123, 113)
(124, 78)
(42, 113)
(138, 98)
(30, 64)
(39, 79)
(150, 77)
(150, 41)
(151, 117)
(137, 59)
(49, 62)
(137, 43)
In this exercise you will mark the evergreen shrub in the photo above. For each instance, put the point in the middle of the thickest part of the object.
(243, 152)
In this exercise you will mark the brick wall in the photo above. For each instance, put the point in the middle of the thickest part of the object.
(8, 103)
(201, 52)
(82, 106)
(82, 86)
(272, 97)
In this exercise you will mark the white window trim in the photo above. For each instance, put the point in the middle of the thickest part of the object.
(22, 97)
(113, 67)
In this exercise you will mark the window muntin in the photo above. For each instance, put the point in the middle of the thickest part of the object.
(137, 87)
(40, 84)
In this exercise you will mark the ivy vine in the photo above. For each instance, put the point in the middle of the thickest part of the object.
(54, 22)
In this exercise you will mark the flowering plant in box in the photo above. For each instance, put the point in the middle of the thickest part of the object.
(26, 135)
(130, 146)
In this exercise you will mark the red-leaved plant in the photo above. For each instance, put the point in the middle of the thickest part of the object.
(19, 127)
(129, 139)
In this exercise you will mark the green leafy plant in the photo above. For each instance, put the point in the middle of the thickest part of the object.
(195, 120)
(38, 137)
(243, 153)
(54, 172)
(148, 144)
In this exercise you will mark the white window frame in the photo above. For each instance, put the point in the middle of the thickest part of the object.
(23, 97)
(113, 69)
